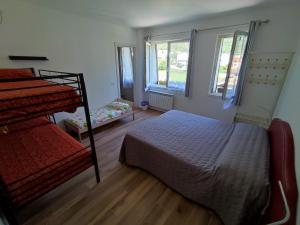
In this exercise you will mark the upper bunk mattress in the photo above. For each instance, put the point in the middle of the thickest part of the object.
(222, 166)
(18, 100)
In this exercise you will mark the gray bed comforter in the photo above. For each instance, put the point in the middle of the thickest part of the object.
(222, 166)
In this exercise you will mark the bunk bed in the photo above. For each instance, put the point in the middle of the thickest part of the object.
(36, 154)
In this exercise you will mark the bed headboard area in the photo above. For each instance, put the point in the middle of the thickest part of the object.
(16, 73)
(283, 170)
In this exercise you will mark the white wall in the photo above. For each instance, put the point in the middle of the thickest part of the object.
(288, 108)
(72, 43)
(276, 36)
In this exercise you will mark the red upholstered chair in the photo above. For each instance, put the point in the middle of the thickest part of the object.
(283, 170)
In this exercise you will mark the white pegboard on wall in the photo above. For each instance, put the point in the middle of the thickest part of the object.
(265, 77)
(268, 69)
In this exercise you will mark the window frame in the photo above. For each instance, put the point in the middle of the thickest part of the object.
(233, 48)
(216, 63)
(157, 85)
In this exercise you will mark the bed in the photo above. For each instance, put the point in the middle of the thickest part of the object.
(116, 110)
(42, 157)
(20, 99)
(224, 167)
(37, 155)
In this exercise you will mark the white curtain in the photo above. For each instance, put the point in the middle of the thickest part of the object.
(147, 64)
(151, 64)
(127, 67)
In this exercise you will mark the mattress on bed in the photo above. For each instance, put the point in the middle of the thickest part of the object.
(35, 96)
(112, 110)
(12, 73)
(222, 166)
(36, 156)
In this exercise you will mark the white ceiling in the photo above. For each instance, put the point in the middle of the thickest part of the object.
(146, 13)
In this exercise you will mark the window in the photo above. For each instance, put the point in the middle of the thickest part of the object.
(236, 58)
(178, 63)
(171, 62)
(229, 56)
(224, 44)
(162, 59)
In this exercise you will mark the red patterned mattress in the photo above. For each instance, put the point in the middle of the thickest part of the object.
(16, 105)
(16, 73)
(39, 98)
(37, 156)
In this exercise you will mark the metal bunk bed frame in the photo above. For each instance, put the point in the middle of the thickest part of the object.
(54, 78)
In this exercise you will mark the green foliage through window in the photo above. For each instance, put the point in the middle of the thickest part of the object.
(176, 54)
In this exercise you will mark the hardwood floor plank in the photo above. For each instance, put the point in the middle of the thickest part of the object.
(180, 214)
(116, 214)
(198, 216)
(144, 206)
(163, 208)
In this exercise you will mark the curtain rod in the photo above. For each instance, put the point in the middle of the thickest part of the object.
(213, 28)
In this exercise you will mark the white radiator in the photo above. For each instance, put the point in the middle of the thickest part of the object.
(161, 101)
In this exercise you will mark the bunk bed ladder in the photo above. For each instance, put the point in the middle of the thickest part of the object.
(89, 126)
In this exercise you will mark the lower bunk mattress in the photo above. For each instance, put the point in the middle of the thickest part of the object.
(37, 156)
(224, 167)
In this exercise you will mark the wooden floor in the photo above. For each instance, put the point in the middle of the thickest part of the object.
(125, 195)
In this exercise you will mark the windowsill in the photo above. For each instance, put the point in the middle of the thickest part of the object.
(164, 90)
(215, 95)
